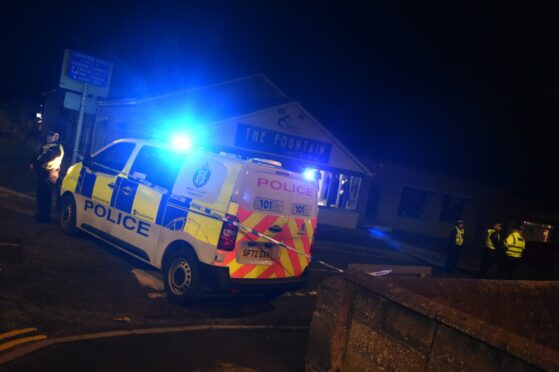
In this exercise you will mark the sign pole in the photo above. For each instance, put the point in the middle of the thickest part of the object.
(80, 124)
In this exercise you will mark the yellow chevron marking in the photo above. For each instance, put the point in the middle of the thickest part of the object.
(298, 244)
(17, 332)
(233, 267)
(19, 341)
(309, 229)
(286, 262)
(233, 209)
(256, 271)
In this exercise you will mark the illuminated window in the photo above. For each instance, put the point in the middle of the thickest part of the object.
(536, 232)
(338, 190)
(415, 203)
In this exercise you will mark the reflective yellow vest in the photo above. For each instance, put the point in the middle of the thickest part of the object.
(459, 236)
(515, 245)
(55, 163)
(488, 243)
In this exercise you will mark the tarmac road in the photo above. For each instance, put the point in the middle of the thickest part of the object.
(53, 285)
(64, 286)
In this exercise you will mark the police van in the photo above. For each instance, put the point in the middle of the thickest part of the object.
(181, 212)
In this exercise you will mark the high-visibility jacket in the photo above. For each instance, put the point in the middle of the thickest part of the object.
(515, 244)
(55, 163)
(488, 242)
(459, 236)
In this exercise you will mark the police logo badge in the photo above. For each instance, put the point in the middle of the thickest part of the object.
(201, 175)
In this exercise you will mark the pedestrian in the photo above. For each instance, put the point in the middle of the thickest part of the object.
(515, 246)
(455, 244)
(494, 250)
(47, 166)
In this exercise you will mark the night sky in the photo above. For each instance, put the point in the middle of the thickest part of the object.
(463, 88)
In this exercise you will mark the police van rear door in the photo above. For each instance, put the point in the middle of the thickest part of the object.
(282, 205)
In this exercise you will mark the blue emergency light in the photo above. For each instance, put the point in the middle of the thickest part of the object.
(310, 174)
(181, 142)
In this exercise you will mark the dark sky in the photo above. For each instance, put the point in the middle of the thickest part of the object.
(467, 88)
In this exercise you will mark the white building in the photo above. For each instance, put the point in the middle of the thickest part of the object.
(249, 118)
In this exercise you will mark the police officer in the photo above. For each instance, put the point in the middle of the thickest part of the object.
(455, 244)
(494, 249)
(515, 246)
(47, 166)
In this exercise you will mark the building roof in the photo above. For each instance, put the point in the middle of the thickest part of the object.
(213, 102)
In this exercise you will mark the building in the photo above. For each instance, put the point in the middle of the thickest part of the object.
(252, 118)
(422, 207)
(246, 118)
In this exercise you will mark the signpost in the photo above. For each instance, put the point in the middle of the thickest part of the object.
(88, 75)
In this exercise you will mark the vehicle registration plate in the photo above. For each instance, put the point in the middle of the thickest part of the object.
(255, 254)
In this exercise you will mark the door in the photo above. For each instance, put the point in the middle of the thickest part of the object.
(142, 197)
(97, 184)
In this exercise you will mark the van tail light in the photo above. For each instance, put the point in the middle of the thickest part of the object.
(228, 234)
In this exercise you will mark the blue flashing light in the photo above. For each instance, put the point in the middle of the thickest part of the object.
(310, 174)
(377, 233)
(385, 237)
(181, 142)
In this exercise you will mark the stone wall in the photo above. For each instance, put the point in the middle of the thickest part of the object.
(363, 323)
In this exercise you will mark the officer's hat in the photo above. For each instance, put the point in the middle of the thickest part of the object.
(458, 222)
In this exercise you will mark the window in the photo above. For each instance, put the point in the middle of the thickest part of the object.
(414, 203)
(113, 159)
(537, 232)
(453, 208)
(338, 190)
(157, 166)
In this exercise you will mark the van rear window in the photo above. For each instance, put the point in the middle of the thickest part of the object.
(279, 192)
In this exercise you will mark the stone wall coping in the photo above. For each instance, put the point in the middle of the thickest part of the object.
(510, 343)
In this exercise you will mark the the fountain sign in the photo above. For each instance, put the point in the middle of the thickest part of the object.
(271, 141)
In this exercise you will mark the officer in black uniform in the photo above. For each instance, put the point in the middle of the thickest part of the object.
(47, 166)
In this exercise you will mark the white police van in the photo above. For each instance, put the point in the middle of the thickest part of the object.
(160, 205)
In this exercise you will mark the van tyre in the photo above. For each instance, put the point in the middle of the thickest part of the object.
(68, 215)
(182, 277)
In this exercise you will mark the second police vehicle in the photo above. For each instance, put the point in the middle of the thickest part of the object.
(162, 205)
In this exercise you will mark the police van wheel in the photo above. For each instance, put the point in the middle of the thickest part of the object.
(181, 277)
(68, 215)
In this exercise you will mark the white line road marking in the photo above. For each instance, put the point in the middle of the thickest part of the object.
(147, 279)
(10, 244)
(157, 295)
(16, 332)
(19, 341)
(300, 294)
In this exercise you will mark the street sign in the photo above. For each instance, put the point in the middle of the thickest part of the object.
(88, 69)
(72, 101)
(79, 69)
